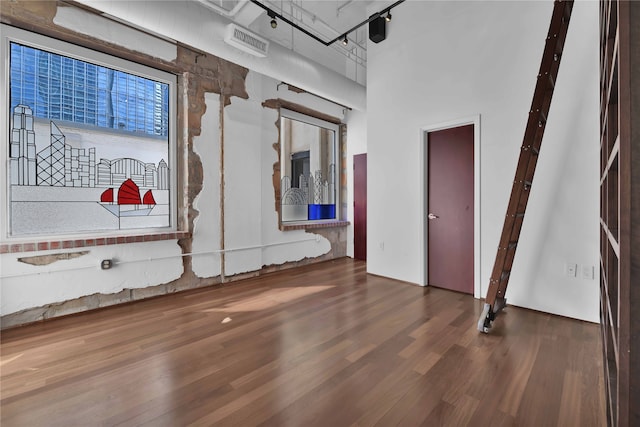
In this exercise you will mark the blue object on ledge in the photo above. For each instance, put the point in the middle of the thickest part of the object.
(322, 212)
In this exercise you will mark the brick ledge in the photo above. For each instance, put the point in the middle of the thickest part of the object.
(312, 225)
(9, 248)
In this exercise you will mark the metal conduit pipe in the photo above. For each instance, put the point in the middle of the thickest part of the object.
(193, 25)
(229, 13)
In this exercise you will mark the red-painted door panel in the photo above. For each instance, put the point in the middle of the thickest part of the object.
(450, 227)
(360, 206)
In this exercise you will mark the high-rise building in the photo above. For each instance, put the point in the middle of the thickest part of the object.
(22, 148)
(51, 160)
(163, 175)
(58, 87)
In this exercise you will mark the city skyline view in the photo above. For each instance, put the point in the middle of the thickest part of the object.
(39, 176)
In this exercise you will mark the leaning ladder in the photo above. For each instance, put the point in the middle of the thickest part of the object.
(495, 300)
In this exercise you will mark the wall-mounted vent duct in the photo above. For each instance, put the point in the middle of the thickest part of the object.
(245, 40)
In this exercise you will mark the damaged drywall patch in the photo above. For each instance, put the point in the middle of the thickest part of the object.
(51, 258)
(202, 73)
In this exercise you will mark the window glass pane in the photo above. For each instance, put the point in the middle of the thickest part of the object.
(69, 169)
(66, 84)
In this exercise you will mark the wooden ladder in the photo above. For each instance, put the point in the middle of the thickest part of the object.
(495, 300)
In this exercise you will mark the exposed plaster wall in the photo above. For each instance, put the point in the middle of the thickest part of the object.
(206, 233)
(221, 123)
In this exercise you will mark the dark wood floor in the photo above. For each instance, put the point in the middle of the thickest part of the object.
(323, 345)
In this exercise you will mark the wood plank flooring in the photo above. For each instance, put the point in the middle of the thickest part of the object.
(321, 345)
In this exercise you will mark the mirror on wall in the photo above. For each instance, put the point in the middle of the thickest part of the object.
(308, 149)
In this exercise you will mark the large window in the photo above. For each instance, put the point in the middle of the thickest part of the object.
(89, 141)
(308, 165)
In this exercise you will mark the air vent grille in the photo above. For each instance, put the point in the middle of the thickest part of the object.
(245, 40)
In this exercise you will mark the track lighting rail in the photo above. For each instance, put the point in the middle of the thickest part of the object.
(343, 36)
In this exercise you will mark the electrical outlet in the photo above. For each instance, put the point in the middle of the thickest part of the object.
(587, 272)
(570, 269)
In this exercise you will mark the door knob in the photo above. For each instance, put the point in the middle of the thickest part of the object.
(432, 216)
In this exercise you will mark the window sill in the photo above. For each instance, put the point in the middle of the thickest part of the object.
(313, 225)
(33, 246)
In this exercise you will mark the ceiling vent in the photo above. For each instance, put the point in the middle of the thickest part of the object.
(245, 40)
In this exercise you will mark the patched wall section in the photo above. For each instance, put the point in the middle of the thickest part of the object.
(202, 78)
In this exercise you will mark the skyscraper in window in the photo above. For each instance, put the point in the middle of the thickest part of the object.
(62, 88)
(22, 147)
(51, 162)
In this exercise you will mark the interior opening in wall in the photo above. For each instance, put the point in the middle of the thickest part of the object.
(309, 163)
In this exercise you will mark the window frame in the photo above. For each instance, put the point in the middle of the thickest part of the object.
(336, 128)
(11, 34)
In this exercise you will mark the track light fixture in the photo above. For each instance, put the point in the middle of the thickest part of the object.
(376, 23)
(272, 15)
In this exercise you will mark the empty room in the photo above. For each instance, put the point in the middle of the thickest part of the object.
(320, 213)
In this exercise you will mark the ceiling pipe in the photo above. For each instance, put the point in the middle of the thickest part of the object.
(344, 6)
(219, 9)
(189, 24)
(339, 47)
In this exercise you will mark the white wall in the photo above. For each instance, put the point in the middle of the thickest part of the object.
(138, 265)
(450, 60)
(206, 226)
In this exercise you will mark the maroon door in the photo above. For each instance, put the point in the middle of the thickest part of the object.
(360, 206)
(450, 219)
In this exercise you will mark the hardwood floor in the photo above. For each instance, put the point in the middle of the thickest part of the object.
(322, 345)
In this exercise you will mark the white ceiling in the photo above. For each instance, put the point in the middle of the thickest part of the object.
(327, 19)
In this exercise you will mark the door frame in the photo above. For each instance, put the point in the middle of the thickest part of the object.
(354, 203)
(424, 184)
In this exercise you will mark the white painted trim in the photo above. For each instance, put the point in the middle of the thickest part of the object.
(475, 121)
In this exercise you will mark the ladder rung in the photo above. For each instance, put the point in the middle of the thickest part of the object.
(534, 150)
(527, 185)
(510, 245)
(567, 14)
(542, 117)
(552, 81)
(505, 274)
